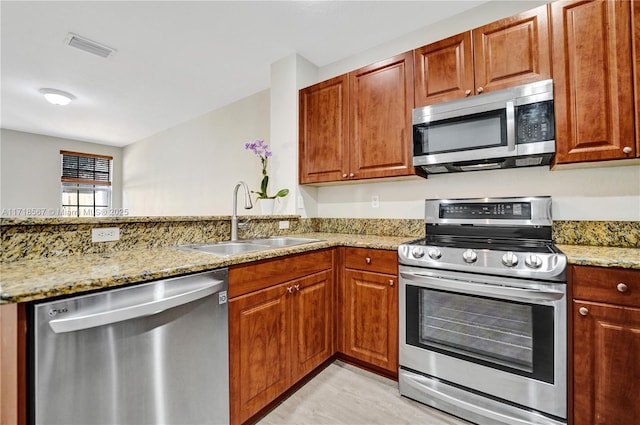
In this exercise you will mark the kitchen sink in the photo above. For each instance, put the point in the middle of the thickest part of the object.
(227, 248)
(282, 241)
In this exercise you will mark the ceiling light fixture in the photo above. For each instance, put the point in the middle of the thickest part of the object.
(57, 97)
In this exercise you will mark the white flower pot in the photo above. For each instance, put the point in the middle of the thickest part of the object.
(266, 205)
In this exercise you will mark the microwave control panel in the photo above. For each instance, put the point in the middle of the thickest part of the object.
(535, 122)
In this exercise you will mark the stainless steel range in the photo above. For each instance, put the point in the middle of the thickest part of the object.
(483, 312)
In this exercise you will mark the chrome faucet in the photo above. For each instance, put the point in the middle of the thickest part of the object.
(247, 206)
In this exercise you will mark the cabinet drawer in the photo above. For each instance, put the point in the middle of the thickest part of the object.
(373, 260)
(609, 285)
(250, 277)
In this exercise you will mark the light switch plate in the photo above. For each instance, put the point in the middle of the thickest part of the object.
(284, 224)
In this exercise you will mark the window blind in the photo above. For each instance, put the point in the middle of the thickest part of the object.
(84, 168)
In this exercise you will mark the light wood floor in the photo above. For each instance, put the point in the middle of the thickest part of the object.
(344, 394)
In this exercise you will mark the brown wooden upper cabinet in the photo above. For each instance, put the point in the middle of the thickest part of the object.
(505, 53)
(592, 74)
(635, 44)
(358, 125)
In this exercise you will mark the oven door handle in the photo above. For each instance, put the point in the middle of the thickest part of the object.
(504, 292)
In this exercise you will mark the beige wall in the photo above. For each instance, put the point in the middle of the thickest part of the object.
(30, 172)
(192, 168)
(611, 193)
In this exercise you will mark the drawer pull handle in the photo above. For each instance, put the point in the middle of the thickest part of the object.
(583, 311)
(367, 260)
(297, 287)
(390, 282)
(290, 289)
(622, 287)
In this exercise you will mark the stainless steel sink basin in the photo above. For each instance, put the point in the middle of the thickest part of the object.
(227, 248)
(283, 241)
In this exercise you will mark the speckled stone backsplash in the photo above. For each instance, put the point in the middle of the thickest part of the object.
(27, 239)
(623, 234)
(411, 228)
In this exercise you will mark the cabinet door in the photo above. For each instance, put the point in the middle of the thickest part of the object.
(444, 70)
(324, 131)
(371, 318)
(606, 369)
(312, 322)
(259, 351)
(592, 78)
(635, 41)
(512, 51)
(380, 108)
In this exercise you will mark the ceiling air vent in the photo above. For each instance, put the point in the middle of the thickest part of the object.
(82, 43)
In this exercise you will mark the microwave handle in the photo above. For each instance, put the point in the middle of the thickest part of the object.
(511, 125)
(483, 166)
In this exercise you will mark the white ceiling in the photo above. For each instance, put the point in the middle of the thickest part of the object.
(175, 60)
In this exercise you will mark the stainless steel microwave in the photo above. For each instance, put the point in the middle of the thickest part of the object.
(508, 128)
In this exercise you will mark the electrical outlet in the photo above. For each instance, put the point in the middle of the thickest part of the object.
(283, 224)
(105, 234)
(375, 201)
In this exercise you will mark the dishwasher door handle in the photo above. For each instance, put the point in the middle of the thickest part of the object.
(140, 309)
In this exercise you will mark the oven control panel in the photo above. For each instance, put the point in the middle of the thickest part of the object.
(501, 210)
(532, 211)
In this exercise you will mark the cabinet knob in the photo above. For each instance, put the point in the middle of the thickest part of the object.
(622, 287)
(480, 90)
(344, 176)
(351, 174)
(467, 92)
(367, 260)
(290, 289)
(297, 287)
(583, 311)
(391, 282)
(627, 149)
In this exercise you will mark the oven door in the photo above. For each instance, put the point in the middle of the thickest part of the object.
(498, 336)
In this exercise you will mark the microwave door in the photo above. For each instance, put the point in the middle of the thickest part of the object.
(480, 136)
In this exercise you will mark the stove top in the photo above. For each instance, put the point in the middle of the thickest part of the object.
(521, 245)
(475, 235)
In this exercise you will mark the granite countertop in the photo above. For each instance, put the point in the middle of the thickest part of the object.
(32, 280)
(602, 256)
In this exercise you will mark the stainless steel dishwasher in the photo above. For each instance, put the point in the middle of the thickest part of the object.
(153, 353)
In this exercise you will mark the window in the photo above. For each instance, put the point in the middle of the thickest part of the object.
(86, 184)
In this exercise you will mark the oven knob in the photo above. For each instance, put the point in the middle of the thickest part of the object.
(434, 253)
(469, 256)
(417, 252)
(533, 261)
(510, 259)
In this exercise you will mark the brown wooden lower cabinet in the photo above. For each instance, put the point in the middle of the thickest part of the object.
(278, 334)
(606, 346)
(368, 300)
